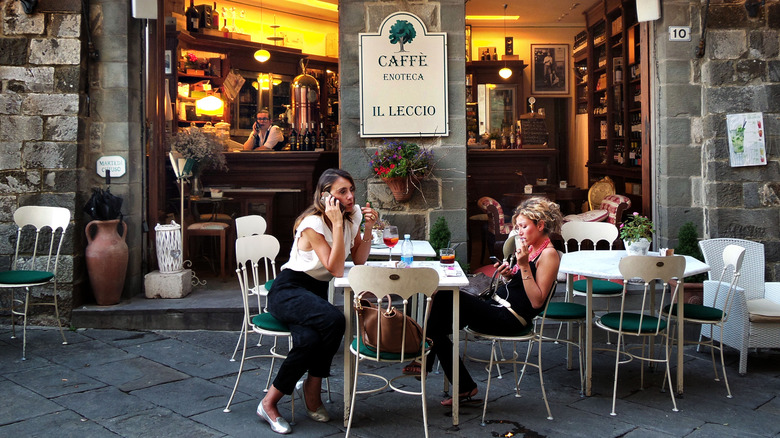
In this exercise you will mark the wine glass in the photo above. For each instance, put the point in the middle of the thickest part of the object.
(390, 237)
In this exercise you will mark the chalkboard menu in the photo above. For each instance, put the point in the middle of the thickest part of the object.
(534, 131)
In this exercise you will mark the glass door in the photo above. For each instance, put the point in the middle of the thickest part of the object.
(497, 107)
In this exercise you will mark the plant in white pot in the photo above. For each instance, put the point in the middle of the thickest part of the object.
(637, 233)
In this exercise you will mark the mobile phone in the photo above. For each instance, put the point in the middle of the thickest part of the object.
(325, 196)
(493, 259)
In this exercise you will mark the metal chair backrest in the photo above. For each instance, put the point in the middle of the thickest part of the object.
(386, 283)
(250, 250)
(648, 269)
(249, 225)
(753, 264)
(733, 255)
(588, 231)
(40, 217)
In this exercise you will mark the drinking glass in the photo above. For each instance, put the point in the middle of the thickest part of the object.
(447, 256)
(390, 237)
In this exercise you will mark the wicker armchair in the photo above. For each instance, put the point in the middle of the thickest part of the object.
(754, 320)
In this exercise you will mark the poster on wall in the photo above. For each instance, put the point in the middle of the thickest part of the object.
(403, 79)
(747, 144)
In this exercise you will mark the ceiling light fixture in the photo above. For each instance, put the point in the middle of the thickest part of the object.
(505, 72)
(262, 55)
(492, 17)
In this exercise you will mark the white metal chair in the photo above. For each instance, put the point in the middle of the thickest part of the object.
(594, 232)
(716, 312)
(643, 323)
(531, 333)
(250, 250)
(754, 319)
(249, 226)
(35, 263)
(386, 283)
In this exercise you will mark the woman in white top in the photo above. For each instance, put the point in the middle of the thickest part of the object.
(324, 233)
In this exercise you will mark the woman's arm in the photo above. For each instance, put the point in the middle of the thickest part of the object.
(361, 246)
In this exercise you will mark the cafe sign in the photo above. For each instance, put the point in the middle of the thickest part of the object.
(403, 80)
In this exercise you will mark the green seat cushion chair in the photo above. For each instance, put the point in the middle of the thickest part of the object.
(631, 322)
(266, 321)
(696, 311)
(600, 287)
(367, 351)
(25, 277)
(563, 311)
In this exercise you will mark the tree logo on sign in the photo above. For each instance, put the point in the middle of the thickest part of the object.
(402, 32)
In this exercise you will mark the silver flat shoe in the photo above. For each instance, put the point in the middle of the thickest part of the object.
(279, 426)
(320, 414)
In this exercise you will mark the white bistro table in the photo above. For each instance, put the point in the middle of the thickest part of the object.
(605, 265)
(446, 282)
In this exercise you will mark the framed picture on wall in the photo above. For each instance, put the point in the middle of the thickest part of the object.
(550, 69)
(468, 42)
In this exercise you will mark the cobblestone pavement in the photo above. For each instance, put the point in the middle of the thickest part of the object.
(176, 383)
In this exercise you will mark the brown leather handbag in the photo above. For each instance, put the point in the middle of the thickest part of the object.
(384, 330)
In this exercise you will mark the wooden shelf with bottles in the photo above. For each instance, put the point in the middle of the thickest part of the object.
(618, 146)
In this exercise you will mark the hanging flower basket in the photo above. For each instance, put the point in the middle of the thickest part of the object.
(400, 187)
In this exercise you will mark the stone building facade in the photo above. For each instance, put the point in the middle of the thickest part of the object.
(63, 105)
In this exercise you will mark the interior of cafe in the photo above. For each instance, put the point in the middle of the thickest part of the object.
(555, 101)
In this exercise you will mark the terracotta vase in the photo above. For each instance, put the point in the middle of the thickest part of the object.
(107, 257)
(400, 187)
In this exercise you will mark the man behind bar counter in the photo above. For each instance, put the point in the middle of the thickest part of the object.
(264, 136)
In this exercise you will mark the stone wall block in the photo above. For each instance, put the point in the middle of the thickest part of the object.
(17, 22)
(55, 51)
(16, 182)
(8, 244)
(67, 79)
(450, 162)
(21, 128)
(428, 13)
(452, 191)
(116, 137)
(10, 103)
(456, 222)
(113, 75)
(750, 195)
(682, 99)
(727, 16)
(62, 180)
(65, 25)
(34, 79)
(697, 130)
(10, 155)
(413, 223)
(680, 161)
(427, 195)
(51, 104)
(725, 194)
(725, 173)
(113, 21)
(50, 155)
(760, 225)
(718, 72)
(675, 130)
(726, 44)
(764, 44)
(768, 194)
(7, 208)
(717, 149)
(61, 128)
(675, 191)
(750, 70)
(773, 15)
(674, 71)
(13, 51)
(735, 99)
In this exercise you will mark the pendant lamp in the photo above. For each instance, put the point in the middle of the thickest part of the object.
(262, 55)
(505, 72)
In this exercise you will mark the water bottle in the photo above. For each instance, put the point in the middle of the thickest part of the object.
(407, 250)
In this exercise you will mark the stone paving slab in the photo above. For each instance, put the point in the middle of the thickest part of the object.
(154, 383)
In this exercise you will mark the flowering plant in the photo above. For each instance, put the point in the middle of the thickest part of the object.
(400, 158)
(202, 147)
(636, 227)
(190, 57)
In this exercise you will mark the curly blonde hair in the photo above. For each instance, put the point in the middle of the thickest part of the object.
(541, 209)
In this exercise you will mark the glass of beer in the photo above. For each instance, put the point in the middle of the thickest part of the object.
(447, 256)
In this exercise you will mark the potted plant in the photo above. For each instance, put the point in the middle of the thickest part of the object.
(400, 164)
(637, 232)
(688, 244)
(106, 253)
(202, 147)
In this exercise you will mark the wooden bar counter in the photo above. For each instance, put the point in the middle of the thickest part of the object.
(276, 185)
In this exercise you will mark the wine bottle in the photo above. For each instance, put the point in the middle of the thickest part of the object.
(321, 139)
(293, 138)
(306, 137)
(312, 137)
(215, 17)
(193, 17)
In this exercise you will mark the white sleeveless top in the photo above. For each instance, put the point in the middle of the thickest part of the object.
(307, 261)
